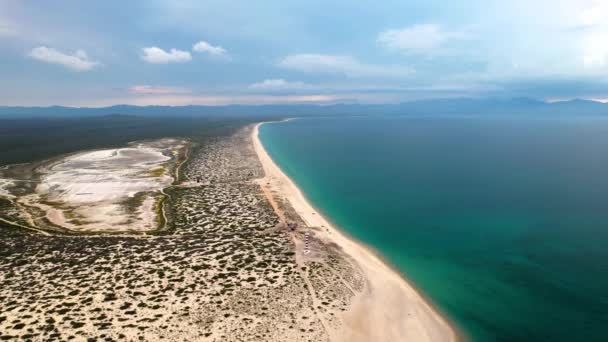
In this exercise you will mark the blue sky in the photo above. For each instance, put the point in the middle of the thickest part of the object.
(97, 53)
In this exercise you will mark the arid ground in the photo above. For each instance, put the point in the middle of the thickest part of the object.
(229, 265)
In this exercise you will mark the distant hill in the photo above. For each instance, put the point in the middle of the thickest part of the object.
(459, 106)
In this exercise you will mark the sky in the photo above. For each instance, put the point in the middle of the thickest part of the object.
(216, 52)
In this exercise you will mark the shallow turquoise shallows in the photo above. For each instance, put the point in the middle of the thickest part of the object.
(501, 222)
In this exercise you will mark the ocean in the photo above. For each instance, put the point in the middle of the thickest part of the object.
(501, 222)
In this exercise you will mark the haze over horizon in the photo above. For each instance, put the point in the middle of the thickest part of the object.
(281, 52)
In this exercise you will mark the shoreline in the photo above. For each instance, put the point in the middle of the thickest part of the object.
(389, 308)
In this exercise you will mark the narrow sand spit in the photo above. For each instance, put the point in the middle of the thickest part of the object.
(389, 309)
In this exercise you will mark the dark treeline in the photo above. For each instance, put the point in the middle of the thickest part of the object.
(32, 139)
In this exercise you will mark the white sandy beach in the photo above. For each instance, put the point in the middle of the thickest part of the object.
(389, 309)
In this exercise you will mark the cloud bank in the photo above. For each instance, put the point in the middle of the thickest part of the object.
(156, 55)
(278, 84)
(407, 48)
(204, 47)
(79, 61)
(157, 90)
(418, 38)
(344, 65)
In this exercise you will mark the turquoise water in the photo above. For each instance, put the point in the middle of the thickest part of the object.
(501, 222)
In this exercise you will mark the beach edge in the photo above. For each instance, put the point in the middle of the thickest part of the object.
(425, 324)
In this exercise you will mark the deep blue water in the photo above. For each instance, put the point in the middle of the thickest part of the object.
(502, 222)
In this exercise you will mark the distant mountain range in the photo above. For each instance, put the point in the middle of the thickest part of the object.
(459, 106)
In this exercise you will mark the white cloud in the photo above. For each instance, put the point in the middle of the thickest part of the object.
(595, 14)
(417, 38)
(159, 56)
(79, 61)
(157, 90)
(595, 50)
(278, 84)
(205, 47)
(345, 65)
(593, 20)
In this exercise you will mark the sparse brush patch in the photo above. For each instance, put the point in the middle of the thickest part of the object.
(77, 222)
(11, 212)
(158, 172)
(132, 203)
(74, 218)
(158, 210)
(5, 204)
(70, 215)
(53, 204)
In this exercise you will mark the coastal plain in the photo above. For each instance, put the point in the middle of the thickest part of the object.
(242, 257)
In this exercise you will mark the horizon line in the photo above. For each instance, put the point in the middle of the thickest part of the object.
(317, 104)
